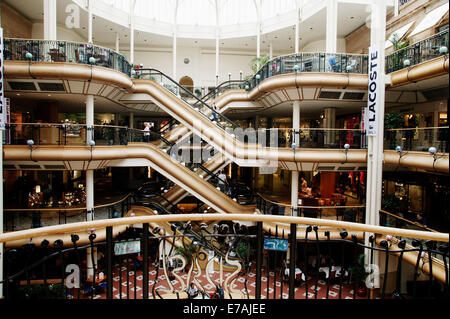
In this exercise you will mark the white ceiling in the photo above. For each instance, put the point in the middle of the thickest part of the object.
(350, 17)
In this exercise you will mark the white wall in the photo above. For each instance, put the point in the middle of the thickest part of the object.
(320, 46)
(202, 63)
(62, 33)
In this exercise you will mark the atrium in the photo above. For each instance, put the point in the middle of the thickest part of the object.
(224, 149)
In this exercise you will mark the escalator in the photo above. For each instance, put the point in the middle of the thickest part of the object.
(222, 133)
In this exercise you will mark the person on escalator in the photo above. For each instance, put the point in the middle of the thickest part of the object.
(222, 179)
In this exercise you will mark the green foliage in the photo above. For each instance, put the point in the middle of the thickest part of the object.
(34, 292)
(393, 120)
(187, 252)
(390, 202)
(358, 271)
(242, 250)
(198, 92)
(396, 43)
(261, 61)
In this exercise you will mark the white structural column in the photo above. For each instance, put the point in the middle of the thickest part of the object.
(174, 43)
(270, 50)
(117, 42)
(329, 122)
(89, 4)
(296, 140)
(375, 143)
(217, 55)
(331, 29)
(217, 40)
(90, 181)
(89, 173)
(258, 30)
(131, 121)
(49, 19)
(132, 5)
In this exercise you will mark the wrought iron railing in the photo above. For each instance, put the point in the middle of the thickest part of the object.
(311, 62)
(329, 261)
(427, 49)
(64, 51)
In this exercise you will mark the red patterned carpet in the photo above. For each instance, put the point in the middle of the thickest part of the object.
(122, 290)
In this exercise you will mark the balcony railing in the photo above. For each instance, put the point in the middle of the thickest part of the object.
(63, 51)
(331, 262)
(312, 62)
(419, 52)
(417, 139)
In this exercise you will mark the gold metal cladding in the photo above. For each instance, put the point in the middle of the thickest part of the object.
(66, 71)
(219, 138)
(293, 80)
(231, 146)
(422, 71)
(176, 191)
(326, 223)
(159, 159)
(420, 160)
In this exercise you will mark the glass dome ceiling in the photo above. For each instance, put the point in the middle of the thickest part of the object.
(205, 12)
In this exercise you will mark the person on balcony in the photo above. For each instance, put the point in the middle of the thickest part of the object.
(147, 132)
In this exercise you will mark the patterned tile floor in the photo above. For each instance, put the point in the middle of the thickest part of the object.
(129, 291)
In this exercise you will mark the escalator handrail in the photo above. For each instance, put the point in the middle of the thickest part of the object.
(141, 72)
(217, 88)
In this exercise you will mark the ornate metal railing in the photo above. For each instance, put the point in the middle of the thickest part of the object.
(328, 261)
(427, 49)
(64, 51)
(311, 62)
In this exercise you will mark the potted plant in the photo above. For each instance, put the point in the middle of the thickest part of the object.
(359, 275)
(198, 93)
(398, 55)
(392, 120)
(256, 63)
(188, 253)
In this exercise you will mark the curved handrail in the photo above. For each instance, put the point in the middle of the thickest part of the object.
(213, 92)
(99, 224)
(408, 221)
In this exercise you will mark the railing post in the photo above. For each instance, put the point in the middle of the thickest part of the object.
(259, 248)
(109, 262)
(145, 261)
(292, 252)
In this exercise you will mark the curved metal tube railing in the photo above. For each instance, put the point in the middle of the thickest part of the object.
(64, 51)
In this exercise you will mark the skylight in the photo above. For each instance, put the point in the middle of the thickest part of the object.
(431, 19)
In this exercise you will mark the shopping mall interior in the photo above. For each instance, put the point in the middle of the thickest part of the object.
(229, 149)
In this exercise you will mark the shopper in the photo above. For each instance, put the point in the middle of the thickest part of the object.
(147, 132)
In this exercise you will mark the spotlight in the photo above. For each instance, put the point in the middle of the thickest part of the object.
(398, 149)
(257, 76)
(30, 143)
(296, 68)
(406, 63)
(91, 143)
(28, 56)
(347, 146)
(92, 60)
(293, 145)
(443, 50)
